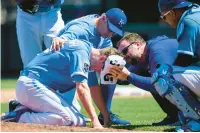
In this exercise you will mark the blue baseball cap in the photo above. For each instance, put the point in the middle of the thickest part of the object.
(167, 5)
(116, 20)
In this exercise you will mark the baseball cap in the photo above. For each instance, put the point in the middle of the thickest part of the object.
(167, 5)
(116, 20)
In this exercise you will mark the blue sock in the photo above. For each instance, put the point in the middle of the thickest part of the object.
(108, 92)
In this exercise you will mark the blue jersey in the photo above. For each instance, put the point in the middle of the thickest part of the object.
(160, 50)
(60, 70)
(188, 32)
(85, 28)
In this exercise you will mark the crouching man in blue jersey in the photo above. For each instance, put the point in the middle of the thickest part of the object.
(143, 57)
(180, 84)
(60, 71)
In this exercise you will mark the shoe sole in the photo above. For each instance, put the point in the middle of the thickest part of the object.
(175, 124)
(8, 119)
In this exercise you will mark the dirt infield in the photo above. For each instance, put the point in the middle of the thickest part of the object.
(7, 94)
(20, 127)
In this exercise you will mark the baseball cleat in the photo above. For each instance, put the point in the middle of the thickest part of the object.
(12, 104)
(168, 120)
(9, 117)
(115, 120)
(14, 116)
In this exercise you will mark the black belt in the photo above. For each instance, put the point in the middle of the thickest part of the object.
(32, 7)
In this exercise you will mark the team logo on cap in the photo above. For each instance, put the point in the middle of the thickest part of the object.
(121, 23)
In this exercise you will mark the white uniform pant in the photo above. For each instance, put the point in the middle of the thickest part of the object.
(188, 76)
(34, 30)
(50, 108)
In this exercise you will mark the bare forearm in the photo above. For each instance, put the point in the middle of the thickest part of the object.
(98, 99)
(85, 97)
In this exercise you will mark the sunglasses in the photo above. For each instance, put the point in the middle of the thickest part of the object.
(125, 50)
(164, 15)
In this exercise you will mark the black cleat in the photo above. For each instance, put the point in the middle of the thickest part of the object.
(12, 105)
(170, 121)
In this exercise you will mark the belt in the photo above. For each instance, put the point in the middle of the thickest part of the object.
(37, 8)
(28, 74)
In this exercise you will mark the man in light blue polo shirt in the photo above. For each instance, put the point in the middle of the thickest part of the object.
(98, 30)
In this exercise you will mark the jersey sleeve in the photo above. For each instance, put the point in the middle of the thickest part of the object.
(187, 40)
(79, 65)
(74, 32)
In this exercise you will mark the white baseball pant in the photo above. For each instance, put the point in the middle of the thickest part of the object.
(188, 76)
(49, 107)
(34, 30)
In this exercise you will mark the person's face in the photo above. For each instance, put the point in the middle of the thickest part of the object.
(97, 63)
(130, 51)
(104, 29)
(170, 17)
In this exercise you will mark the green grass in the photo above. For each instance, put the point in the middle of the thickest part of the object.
(8, 83)
(140, 111)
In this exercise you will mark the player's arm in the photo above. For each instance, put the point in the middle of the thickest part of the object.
(69, 33)
(79, 72)
(85, 97)
(142, 82)
(97, 96)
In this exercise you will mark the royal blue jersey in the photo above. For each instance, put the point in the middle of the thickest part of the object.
(60, 70)
(160, 50)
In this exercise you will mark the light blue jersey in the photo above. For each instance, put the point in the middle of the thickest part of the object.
(85, 28)
(60, 70)
(188, 32)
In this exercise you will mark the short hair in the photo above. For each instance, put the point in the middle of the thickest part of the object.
(110, 51)
(131, 37)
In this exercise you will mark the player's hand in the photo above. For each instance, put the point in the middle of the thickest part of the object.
(96, 124)
(119, 73)
(57, 43)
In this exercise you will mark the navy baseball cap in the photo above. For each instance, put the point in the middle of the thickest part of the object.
(167, 5)
(116, 20)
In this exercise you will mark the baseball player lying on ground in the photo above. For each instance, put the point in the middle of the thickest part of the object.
(62, 70)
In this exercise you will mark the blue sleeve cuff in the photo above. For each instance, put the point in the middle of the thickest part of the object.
(79, 78)
(92, 79)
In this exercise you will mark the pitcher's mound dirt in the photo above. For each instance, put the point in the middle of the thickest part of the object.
(21, 127)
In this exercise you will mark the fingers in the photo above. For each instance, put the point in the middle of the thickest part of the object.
(57, 43)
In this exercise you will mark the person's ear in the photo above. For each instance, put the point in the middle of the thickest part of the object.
(137, 43)
(104, 17)
(102, 58)
(173, 13)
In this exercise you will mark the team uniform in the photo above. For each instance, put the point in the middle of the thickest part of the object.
(180, 85)
(47, 73)
(84, 28)
(188, 36)
(37, 27)
(159, 50)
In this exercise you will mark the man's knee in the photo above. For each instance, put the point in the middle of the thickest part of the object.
(179, 95)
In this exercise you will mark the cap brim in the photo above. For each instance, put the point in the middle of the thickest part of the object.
(183, 4)
(114, 29)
